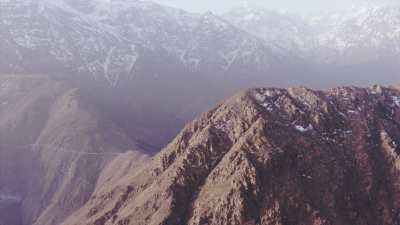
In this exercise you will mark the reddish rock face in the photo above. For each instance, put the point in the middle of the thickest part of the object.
(273, 157)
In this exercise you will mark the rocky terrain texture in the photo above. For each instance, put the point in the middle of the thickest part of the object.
(54, 141)
(268, 156)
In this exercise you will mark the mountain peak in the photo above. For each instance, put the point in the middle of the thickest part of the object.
(269, 155)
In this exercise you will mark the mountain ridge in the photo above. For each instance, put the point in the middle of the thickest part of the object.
(269, 156)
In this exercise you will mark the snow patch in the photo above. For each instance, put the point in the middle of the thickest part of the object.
(260, 98)
(396, 100)
(352, 111)
(304, 129)
(268, 106)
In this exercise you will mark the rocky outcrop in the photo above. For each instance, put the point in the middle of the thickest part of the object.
(268, 156)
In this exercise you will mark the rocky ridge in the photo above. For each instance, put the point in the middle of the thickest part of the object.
(269, 156)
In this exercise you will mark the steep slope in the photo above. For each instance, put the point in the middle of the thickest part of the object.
(53, 144)
(269, 156)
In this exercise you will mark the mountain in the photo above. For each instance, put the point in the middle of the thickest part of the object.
(117, 41)
(289, 31)
(54, 141)
(356, 35)
(109, 49)
(354, 46)
(91, 89)
(269, 156)
(79, 89)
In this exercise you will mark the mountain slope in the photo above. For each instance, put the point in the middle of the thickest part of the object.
(54, 143)
(269, 156)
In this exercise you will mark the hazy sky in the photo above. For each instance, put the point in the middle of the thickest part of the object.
(299, 6)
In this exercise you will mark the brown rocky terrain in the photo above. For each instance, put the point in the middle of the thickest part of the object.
(54, 141)
(266, 156)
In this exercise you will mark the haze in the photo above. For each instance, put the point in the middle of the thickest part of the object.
(304, 6)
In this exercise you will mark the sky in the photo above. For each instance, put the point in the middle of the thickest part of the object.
(295, 6)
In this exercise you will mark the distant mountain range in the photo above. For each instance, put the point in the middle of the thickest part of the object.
(139, 45)
(354, 36)
(116, 41)
(125, 48)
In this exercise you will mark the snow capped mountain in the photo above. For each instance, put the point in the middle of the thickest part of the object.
(107, 38)
(52, 34)
(219, 46)
(115, 41)
(283, 29)
(354, 36)
(369, 33)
